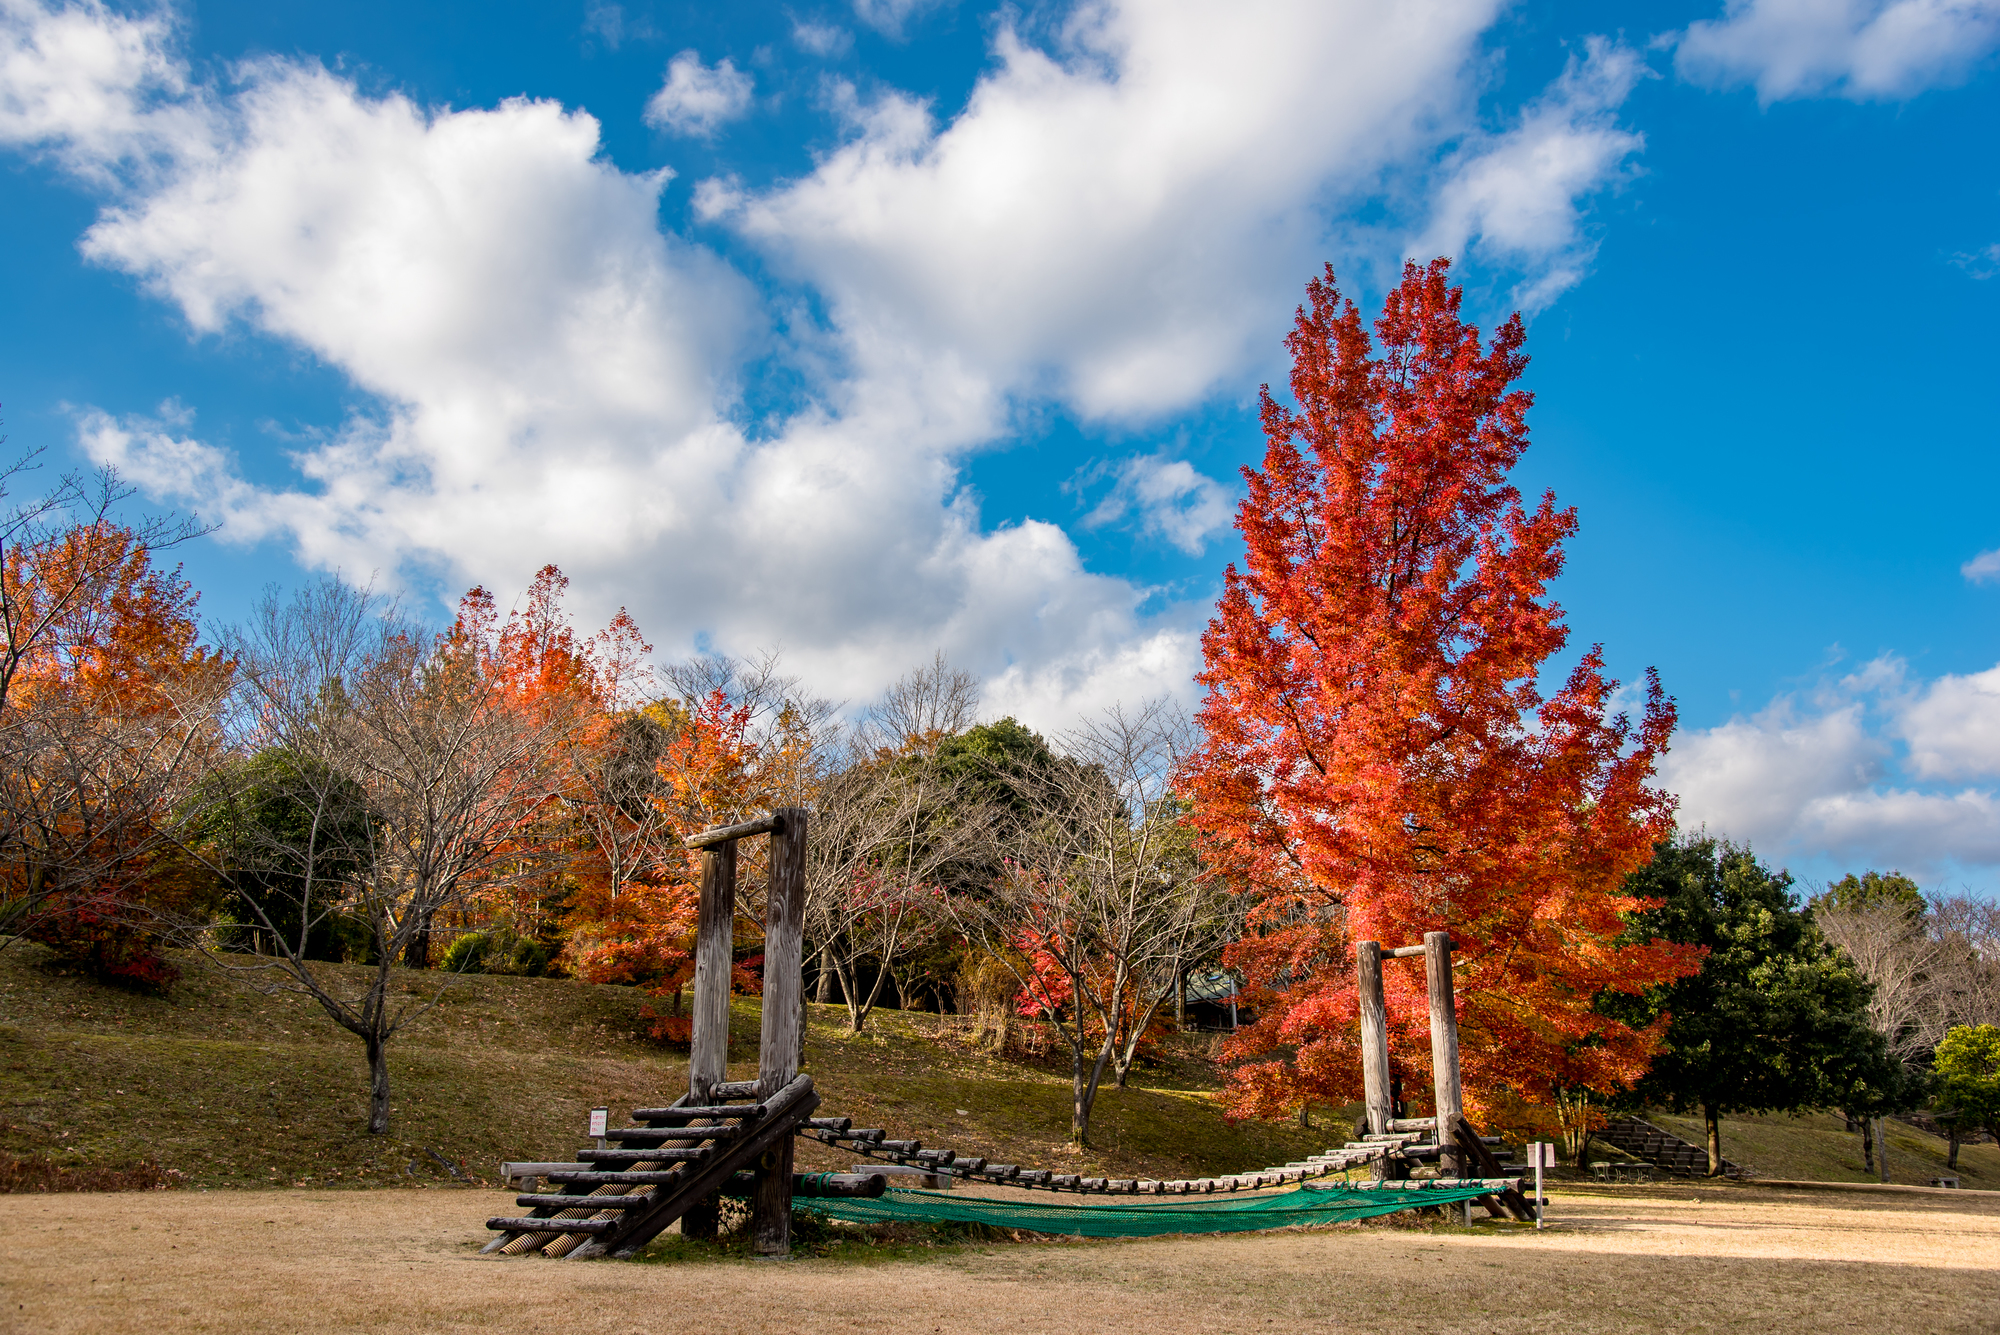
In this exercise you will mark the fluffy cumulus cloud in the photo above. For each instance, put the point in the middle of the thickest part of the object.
(1122, 219)
(1114, 220)
(1521, 192)
(700, 99)
(1872, 767)
(1858, 49)
(86, 84)
(1162, 498)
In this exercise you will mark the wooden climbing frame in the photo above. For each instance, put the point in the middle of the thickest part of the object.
(736, 1137)
(677, 1161)
(1460, 1149)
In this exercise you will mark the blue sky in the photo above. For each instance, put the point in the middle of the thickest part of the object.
(862, 330)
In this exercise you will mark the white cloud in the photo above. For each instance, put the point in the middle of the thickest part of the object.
(1952, 727)
(1122, 222)
(1858, 49)
(1165, 498)
(1983, 568)
(85, 83)
(888, 16)
(1981, 264)
(606, 23)
(1520, 193)
(698, 99)
(1820, 776)
(1756, 777)
(822, 39)
(551, 377)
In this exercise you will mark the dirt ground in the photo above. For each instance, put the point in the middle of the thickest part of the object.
(1664, 1258)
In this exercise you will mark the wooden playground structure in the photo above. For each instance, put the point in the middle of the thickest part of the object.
(736, 1137)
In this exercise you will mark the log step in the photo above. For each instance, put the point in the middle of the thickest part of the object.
(713, 1113)
(643, 1156)
(657, 1135)
(500, 1225)
(616, 1179)
(545, 1201)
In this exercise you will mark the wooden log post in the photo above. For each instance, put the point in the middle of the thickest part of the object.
(1374, 1035)
(778, 1048)
(714, 948)
(1444, 1049)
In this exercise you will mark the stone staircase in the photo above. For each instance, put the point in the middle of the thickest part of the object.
(1663, 1149)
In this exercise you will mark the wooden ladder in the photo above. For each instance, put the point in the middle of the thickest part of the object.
(615, 1201)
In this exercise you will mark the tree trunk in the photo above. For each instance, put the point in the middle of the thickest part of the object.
(1085, 1091)
(1714, 1120)
(1951, 1160)
(1867, 1146)
(378, 1085)
(825, 997)
(1881, 1149)
(417, 954)
(1305, 1116)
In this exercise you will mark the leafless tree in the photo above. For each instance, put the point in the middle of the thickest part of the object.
(884, 827)
(1103, 904)
(408, 779)
(1890, 944)
(926, 704)
(1967, 930)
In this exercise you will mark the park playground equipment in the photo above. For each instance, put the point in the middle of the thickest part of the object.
(735, 1138)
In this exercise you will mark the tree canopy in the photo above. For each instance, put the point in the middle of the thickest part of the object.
(1380, 759)
(1775, 1019)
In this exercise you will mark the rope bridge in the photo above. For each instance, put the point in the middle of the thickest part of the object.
(1306, 1206)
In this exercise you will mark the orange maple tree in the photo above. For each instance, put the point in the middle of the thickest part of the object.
(107, 701)
(1379, 757)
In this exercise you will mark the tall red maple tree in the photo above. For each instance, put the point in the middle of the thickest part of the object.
(1379, 757)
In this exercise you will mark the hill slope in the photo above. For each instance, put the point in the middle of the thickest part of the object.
(231, 1088)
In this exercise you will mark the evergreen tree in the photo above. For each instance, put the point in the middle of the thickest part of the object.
(1774, 1021)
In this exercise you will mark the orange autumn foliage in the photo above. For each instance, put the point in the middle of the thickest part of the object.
(107, 702)
(1380, 759)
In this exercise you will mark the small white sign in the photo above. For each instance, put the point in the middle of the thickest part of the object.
(600, 1119)
(1542, 1154)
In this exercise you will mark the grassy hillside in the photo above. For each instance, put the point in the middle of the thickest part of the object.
(225, 1087)
(1818, 1147)
(231, 1088)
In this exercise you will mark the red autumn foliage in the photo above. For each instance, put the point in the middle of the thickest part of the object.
(1380, 760)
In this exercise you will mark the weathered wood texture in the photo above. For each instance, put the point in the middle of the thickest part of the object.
(784, 939)
(1374, 1035)
(715, 935)
(1444, 1041)
(1478, 1157)
(729, 834)
(784, 1013)
(788, 1108)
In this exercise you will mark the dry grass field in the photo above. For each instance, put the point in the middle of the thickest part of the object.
(1642, 1259)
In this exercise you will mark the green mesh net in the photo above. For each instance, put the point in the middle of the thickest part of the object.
(1237, 1215)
